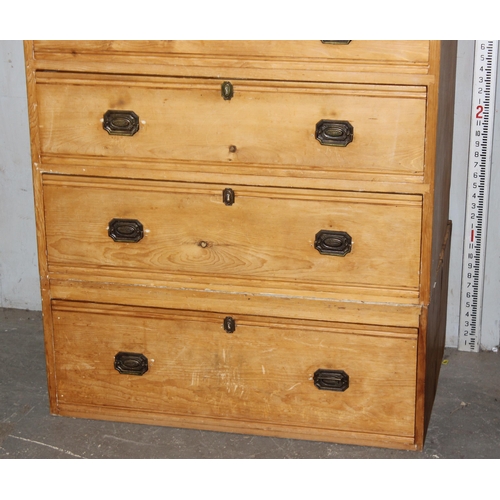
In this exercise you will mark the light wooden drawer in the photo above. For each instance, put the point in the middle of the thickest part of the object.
(272, 239)
(413, 52)
(161, 363)
(264, 125)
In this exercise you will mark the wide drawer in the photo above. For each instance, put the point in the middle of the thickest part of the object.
(286, 373)
(311, 128)
(388, 51)
(260, 238)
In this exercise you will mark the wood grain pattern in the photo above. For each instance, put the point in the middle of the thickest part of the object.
(378, 313)
(267, 235)
(229, 173)
(432, 342)
(410, 52)
(40, 222)
(262, 372)
(361, 61)
(176, 295)
(267, 124)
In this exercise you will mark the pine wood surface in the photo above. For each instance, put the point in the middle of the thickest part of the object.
(229, 173)
(261, 372)
(188, 120)
(380, 310)
(237, 426)
(280, 303)
(432, 340)
(267, 235)
(381, 51)
(362, 61)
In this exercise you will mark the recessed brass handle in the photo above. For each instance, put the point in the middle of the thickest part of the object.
(337, 42)
(333, 242)
(119, 122)
(334, 132)
(125, 230)
(131, 363)
(331, 380)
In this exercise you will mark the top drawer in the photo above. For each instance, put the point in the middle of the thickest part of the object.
(312, 60)
(354, 51)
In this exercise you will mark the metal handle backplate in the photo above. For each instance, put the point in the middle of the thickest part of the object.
(120, 122)
(331, 380)
(125, 230)
(337, 42)
(334, 132)
(131, 363)
(333, 242)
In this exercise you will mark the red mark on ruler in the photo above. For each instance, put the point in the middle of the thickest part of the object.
(472, 235)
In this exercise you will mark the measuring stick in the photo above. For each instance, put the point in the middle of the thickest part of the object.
(478, 181)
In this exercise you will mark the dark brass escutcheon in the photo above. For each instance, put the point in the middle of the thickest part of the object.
(334, 132)
(131, 363)
(337, 42)
(125, 230)
(228, 196)
(227, 91)
(333, 242)
(118, 122)
(331, 380)
(229, 324)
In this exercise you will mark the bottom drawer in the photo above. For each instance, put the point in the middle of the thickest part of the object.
(316, 375)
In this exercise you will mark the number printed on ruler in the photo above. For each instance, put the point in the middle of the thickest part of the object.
(481, 128)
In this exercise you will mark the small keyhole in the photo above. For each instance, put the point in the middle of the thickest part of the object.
(229, 324)
(227, 91)
(228, 196)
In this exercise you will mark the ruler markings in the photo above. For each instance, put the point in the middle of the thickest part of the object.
(479, 166)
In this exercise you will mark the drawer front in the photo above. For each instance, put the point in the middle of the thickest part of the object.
(332, 128)
(271, 372)
(414, 52)
(281, 239)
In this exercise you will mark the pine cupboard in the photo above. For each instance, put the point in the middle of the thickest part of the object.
(245, 236)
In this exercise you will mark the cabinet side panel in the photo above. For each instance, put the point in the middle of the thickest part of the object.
(432, 342)
(436, 231)
(40, 220)
(444, 144)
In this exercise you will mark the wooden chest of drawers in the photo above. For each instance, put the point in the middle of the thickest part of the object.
(245, 236)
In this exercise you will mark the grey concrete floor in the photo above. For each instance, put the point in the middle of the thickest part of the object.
(465, 422)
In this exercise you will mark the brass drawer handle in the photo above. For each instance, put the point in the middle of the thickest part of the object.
(125, 230)
(131, 363)
(333, 243)
(331, 380)
(116, 122)
(337, 42)
(334, 132)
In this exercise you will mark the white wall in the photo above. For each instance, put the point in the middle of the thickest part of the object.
(18, 267)
(19, 284)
